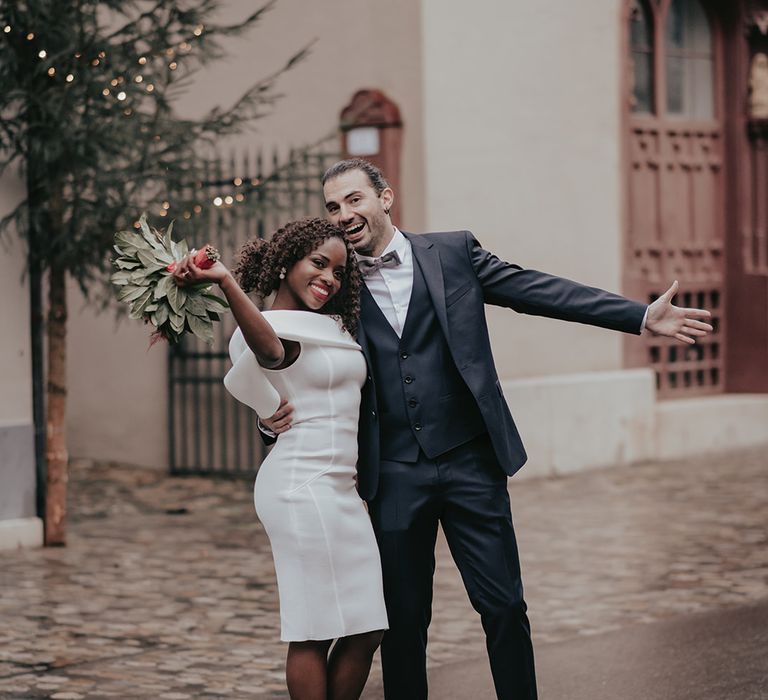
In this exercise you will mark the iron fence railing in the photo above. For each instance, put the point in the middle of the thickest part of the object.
(251, 195)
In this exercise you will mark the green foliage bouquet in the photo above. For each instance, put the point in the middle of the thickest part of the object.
(144, 279)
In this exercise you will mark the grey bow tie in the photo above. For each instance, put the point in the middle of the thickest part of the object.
(391, 259)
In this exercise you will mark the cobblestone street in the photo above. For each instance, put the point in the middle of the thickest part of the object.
(166, 588)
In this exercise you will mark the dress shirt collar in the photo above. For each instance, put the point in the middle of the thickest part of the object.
(398, 243)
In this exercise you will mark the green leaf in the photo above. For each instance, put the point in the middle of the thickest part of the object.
(162, 313)
(121, 278)
(148, 258)
(176, 297)
(130, 293)
(130, 242)
(167, 238)
(195, 305)
(163, 286)
(214, 303)
(165, 257)
(125, 264)
(202, 328)
(176, 321)
(137, 309)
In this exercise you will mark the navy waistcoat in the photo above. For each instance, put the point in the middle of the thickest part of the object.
(423, 402)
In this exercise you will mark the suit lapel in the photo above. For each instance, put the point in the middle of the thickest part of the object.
(427, 257)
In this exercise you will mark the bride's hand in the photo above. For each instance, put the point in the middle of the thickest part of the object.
(186, 272)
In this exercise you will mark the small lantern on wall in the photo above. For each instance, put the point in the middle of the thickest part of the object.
(371, 128)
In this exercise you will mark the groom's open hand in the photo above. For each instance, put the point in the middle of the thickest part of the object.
(685, 325)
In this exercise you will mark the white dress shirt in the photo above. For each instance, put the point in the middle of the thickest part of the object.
(391, 286)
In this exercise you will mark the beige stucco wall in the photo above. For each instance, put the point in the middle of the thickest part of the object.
(19, 525)
(117, 389)
(522, 138)
(15, 362)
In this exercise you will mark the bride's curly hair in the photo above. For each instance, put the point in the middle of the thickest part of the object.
(259, 263)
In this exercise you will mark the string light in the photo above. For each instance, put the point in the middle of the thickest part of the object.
(142, 60)
(240, 197)
(30, 36)
(7, 29)
(238, 181)
(150, 87)
(51, 71)
(163, 213)
(42, 54)
(105, 92)
(95, 62)
(218, 201)
(114, 82)
(172, 65)
(166, 205)
(102, 54)
(70, 77)
(197, 209)
(229, 199)
(169, 51)
(184, 46)
(121, 96)
(138, 78)
(78, 55)
(128, 112)
(187, 215)
(198, 30)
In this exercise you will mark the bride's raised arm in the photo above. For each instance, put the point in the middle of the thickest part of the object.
(257, 332)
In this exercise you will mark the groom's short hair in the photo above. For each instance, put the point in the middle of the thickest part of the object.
(375, 176)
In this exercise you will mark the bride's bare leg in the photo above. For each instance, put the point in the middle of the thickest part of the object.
(306, 670)
(350, 664)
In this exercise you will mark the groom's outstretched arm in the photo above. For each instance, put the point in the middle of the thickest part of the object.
(541, 294)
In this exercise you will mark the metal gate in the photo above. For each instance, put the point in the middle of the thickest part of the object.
(210, 433)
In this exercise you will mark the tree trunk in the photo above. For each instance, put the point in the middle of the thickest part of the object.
(56, 454)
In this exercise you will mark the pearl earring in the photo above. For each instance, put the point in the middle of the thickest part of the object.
(282, 273)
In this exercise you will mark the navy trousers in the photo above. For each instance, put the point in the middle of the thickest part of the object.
(465, 491)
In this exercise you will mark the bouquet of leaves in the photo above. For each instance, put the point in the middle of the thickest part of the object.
(145, 262)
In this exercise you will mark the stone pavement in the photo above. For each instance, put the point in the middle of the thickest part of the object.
(719, 654)
(166, 589)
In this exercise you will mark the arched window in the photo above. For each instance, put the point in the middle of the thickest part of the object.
(641, 48)
(689, 61)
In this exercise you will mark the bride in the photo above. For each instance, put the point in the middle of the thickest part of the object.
(303, 351)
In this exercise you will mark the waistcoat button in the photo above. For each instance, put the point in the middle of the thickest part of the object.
(404, 355)
(413, 403)
(408, 379)
(417, 426)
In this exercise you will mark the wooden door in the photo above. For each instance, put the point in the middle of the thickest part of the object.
(675, 188)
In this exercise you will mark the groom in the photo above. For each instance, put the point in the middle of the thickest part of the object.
(436, 438)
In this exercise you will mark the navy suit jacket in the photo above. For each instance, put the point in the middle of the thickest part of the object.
(461, 278)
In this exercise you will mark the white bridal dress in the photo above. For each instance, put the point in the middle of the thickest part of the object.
(326, 558)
